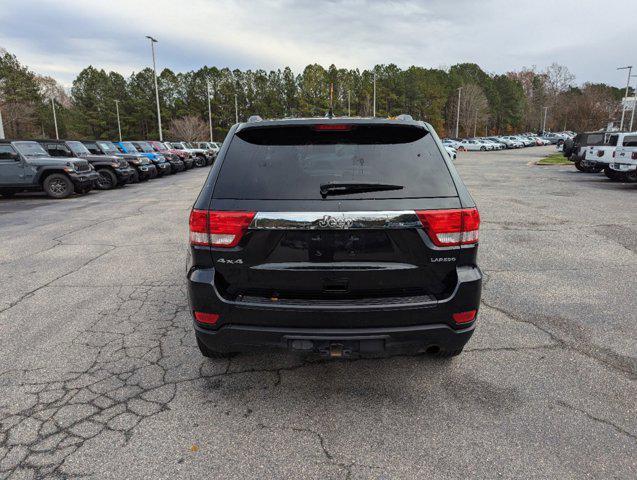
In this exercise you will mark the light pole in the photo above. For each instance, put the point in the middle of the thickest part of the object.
(152, 47)
(458, 113)
(374, 108)
(1, 127)
(55, 119)
(475, 124)
(349, 110)
(632, 114)
(236, 109)
(544, 121)
(630, 69)
(119, 125)
(209, 109)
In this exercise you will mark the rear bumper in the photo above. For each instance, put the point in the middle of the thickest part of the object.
(370, 326)
(321, 340)
(594, 163)
(623, 167)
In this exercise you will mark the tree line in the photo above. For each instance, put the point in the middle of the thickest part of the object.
(484, 103)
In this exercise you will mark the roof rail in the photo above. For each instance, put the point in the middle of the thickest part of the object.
(255, 118)
(405, 117)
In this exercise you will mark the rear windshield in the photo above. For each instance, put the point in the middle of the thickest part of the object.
(292, 162)
(594, 139)
(630, 141)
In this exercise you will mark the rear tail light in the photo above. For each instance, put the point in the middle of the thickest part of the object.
(464, 317)
(634, 156)
(613, 153)
(600, 153)
(218, 229)
(450, 228)
(207, 318)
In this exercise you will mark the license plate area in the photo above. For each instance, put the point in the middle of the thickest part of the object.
(336, 348)
(620, 166)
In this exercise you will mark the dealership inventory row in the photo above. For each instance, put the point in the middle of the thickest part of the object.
(63, 167)
(501, 142)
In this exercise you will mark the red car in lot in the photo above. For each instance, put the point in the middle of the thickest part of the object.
(189, 161)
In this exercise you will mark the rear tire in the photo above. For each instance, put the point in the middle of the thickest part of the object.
(631, 177)
(612, 174)
(58, 186)
(107, 180)
(206, 352)
(579, 166)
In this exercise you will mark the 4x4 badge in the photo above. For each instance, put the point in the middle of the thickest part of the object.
(237, 261)
(330, 222)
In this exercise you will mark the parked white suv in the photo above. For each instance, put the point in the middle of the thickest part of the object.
(604, 155)
(624, 161)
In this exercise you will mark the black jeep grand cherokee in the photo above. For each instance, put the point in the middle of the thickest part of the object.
(335, 236)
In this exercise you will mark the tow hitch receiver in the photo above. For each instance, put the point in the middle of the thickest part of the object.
(335, 350)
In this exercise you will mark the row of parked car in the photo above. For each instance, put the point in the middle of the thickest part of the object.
(63, 167)
(614, 153)
(501, 142)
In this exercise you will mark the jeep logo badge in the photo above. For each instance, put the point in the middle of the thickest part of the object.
(330, 222)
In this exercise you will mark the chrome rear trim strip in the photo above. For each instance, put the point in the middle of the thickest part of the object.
(335, 220)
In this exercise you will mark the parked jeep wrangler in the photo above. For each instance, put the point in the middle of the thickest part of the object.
(624, 164)
(143, 167)
(210, 147)
(26, 166)
(113, 171)
(160, 162)
(201, 160)
(176, 165)
(161, 147)
(575, 150)
(603, 155)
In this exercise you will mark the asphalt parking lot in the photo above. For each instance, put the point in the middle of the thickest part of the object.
(100, 375)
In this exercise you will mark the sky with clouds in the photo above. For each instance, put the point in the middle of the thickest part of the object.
(59, 38)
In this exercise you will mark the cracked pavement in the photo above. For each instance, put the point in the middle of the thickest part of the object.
(100, 376)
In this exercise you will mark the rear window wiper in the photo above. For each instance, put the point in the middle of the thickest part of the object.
(344, 188)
